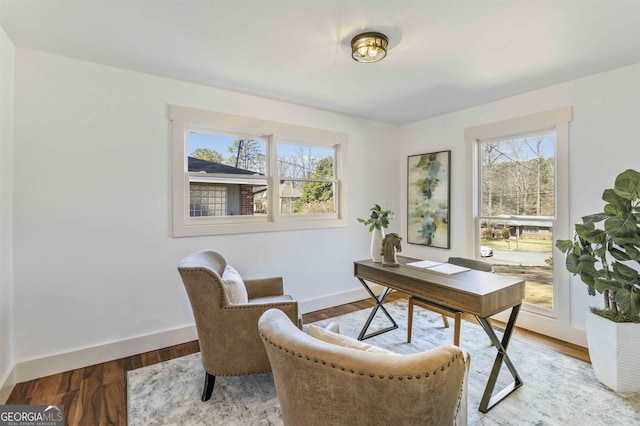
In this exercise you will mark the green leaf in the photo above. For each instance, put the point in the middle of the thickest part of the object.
(635, 241)
(627, 185)
(628, 302)
(593, 236)
(625, 272)
(619, 254)
(571, 263)
(594, 218)
(610, 196)
(589, 280)
(564, 246)
(602, 284)
(612, 210)
(632, 252)
(621, 226)
(586, 264)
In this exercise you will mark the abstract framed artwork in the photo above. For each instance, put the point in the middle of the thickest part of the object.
(428, 198)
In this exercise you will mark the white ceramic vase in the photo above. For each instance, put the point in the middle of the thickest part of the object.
(613, 349)
(377, 235)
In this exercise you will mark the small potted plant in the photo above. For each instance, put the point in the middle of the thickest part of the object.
(605, 253)
(377, 222)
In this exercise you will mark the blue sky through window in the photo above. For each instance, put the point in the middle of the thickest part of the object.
(221, 143)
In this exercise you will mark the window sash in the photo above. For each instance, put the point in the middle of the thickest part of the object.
(556, 121)
(187, 120)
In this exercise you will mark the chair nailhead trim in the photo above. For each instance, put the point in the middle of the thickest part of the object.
(362, 373)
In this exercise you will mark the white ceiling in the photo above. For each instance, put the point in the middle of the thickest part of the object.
(444, 55)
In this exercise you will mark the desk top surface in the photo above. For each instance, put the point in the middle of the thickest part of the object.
(476, 292)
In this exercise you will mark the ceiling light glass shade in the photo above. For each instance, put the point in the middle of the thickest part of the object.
(369, 47)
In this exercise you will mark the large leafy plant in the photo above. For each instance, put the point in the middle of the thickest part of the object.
(378, 218)
(605, 250)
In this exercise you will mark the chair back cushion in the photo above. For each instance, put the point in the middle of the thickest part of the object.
(341, 340)
(234, 286)
(478, 265)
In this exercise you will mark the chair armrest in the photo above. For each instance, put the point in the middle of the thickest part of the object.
(246, 317)
(234, 336)
(264, 287)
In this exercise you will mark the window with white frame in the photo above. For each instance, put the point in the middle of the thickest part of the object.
(236, 174)
(520, 201)
(307, 180)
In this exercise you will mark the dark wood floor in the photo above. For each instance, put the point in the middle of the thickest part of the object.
(96, 395)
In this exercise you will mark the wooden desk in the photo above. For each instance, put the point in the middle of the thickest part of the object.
(479, 293)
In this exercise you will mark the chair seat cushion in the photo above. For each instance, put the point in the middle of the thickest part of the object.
(271, 299)
(234, 286)
(344, 341)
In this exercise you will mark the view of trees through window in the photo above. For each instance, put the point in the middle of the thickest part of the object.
(247, 154)
(309, 179)
(306, 175)
(517, 210)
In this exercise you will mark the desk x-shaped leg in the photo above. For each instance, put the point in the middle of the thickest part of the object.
(378, 305)
(487, 401)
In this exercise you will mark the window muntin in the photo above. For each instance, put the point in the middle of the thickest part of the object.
(197, 207)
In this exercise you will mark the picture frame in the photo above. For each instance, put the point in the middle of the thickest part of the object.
(428, 199)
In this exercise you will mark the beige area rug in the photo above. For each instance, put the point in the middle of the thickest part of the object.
(557, 390)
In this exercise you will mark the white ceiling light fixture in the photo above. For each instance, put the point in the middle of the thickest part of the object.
(369, 47)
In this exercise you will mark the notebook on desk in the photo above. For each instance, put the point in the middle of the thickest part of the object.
(424, 264)
(448, 268)
(443, 268)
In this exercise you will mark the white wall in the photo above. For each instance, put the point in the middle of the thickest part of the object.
(7, 52)
(603, 141)
(94, 260)
(94, 270)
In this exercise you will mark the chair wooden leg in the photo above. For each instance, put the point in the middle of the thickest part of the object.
(490, 325)
(410, 319)
(456, 328)
(209, 381)
(445, 321)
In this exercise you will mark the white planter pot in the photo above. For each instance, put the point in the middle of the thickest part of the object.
(613, 349)
(377, 235)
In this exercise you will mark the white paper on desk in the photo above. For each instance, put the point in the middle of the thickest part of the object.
(448, 268)
(424, 264)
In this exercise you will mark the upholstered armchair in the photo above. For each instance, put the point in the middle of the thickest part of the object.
(478, 265)
(226, 310)
(336, 380)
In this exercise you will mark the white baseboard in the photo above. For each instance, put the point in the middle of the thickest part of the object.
(53, 364)
(336, 299)
(7, 383)
(58, 363)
